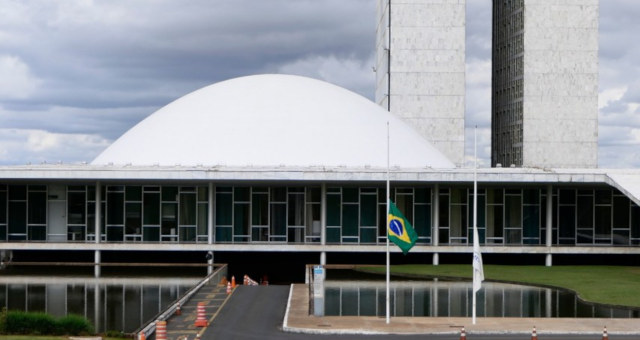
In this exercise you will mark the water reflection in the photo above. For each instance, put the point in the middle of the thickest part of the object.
(111, 303)
(445, 298)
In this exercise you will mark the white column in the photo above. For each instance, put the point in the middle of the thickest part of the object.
(96, 266)
(435, 241)
(549, 234)
(323, 223)
(98, 229)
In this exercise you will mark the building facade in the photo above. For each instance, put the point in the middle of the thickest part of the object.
(545, 83)
(420, 68)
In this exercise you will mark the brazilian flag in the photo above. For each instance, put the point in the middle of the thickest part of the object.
(400, 230)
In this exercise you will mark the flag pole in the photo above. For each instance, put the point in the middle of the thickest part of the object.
(388, 308)
(475, 208)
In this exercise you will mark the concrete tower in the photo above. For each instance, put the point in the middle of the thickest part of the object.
(420, 68)
(545, 83)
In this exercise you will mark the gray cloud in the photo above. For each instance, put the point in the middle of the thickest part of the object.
(85, 72)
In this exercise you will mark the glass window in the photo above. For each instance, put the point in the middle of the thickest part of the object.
(350, 220)
(17, 217)
(169, 194)
(169, 219)
(151, 208)
(621, 212)
(133, 193)
(513, 211)
(241, 219)
(260, 209)
(368, 210)
(203, 218)
(350, 195)
(603, 222)
(585, 211)
(333, 210)
(38, 208)
(115, 208)
(188, 209)
(224, 209)
(17, 192)
(603, 196)
(203, 194)
(278, 194)
(423, 195)
(3, 207)
(76, 208)
(296, 209)
(241, 194)
(422, 221)
(278, 219)
(133, 220)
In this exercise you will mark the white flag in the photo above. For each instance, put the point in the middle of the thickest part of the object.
(478, 272)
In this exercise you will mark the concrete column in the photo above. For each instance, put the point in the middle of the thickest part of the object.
(435, 206)
(549, 222)
(96, 306)
(98, 229)
(97, 261)
(323, 223)
(210, 262)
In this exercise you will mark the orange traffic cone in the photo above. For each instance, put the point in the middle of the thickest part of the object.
(178, 310)
(605, 336)
(161, 330)
(233, 282)
(534, 335)
(141, 336)
(228, 287)
(463, 334)
(224, 281)
(201, 319)
(245, 282)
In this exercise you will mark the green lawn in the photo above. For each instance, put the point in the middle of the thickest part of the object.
(615, 285)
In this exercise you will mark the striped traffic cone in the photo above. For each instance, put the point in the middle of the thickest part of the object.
(178, 310)
(228, 287)
(605, 336)
(141, 336)
(161, 330)
(463, 334)
(534, 335)
(245, 282)
(201, 318)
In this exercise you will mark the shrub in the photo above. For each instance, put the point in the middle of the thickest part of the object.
(18, 322)
(74, 325)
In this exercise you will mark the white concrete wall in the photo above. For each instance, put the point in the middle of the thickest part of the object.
(560, 113)
(427, 68)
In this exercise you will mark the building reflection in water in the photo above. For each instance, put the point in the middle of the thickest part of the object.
(121, 304)
(445, 298)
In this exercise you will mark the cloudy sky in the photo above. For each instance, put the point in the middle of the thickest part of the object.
(76, 74)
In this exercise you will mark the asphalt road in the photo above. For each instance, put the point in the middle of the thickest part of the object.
(257, 313)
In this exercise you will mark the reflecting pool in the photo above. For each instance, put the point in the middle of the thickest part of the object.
(438, 298)
(121, 300)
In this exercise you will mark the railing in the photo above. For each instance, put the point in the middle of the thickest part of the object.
(150, 328)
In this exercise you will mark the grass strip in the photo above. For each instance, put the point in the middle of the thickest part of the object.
(612, 285)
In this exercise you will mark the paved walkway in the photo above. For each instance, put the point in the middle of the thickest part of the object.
(213, 295)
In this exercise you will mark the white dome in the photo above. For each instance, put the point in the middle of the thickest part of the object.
(272, 120)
